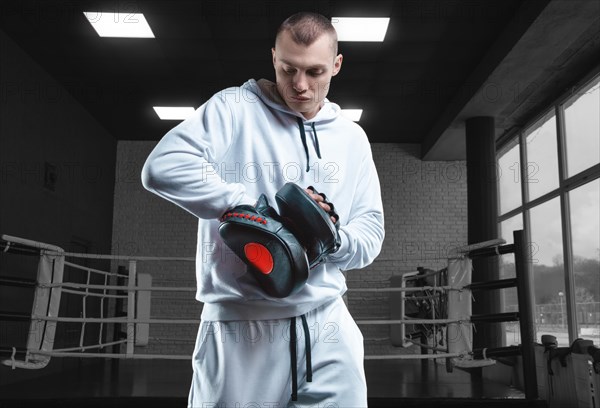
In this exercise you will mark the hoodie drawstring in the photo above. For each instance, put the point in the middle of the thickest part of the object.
(293, 354)
(303, 137)
(317, 148)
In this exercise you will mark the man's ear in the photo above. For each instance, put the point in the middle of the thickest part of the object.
(337, 64)
(273, 55)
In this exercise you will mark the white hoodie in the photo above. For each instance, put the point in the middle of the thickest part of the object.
(245, 141)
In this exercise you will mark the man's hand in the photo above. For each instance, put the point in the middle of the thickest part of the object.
(320, 199)
(312, 218)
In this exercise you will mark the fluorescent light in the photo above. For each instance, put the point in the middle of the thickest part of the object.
(119, 24)
(173, 112)
(360, 28)
(352, 114)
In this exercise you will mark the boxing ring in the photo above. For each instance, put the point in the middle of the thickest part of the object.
(123, 294)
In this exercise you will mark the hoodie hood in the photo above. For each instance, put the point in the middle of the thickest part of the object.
(267, 92)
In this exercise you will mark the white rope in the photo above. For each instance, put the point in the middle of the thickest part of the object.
(425, 275)
(54, 250)
(102, 310)
(122, 257)
(427, 346)
(131, 300)
(189, 357)
(411, 289)
(114, 320)
(102, 295)
(424, 297)
(98, 271)
(117, 287)
(92, 346)
(412, 356)
(86, 290)
(194, 321)
(409, 321)
(84, 304)
(12, 358)
(115, 355)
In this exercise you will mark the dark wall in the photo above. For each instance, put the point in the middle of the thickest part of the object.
(56, 178)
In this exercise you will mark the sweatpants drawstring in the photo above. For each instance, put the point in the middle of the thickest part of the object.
(307, 347)
(294, 357)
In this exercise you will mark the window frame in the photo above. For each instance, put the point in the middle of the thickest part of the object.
(565, 186)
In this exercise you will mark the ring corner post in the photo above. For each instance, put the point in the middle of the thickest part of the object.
(526, 313)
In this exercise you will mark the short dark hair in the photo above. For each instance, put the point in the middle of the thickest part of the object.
(305, 27)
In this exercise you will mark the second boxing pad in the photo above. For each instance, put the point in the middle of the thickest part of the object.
(270, 250)
(310, 223)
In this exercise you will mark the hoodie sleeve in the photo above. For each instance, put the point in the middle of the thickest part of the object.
(362, 236)
(181, 167)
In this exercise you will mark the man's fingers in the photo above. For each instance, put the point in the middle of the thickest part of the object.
(319, 199)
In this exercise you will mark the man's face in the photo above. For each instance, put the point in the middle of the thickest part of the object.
(303, 73)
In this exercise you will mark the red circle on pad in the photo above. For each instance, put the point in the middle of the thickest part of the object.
(259, 256)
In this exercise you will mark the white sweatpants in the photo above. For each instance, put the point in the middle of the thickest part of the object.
(246, 364)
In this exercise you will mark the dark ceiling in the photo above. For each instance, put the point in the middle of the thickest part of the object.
(405, 84)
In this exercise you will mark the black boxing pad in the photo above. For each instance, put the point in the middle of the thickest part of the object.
(270, 250)
(310, 223)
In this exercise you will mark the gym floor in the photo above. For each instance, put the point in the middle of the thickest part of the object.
(146, 383)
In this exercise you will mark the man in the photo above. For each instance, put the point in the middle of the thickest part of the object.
(250, 140)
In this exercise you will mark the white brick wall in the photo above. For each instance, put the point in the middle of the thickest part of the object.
(147, 225)
(425, 207)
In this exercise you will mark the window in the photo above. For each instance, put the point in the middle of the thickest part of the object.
(509, 182)
(542, 157)
(585, 218)
(548, 270)
(582, 123)
(554, 195)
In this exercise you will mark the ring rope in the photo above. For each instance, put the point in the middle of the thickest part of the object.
(113, 355)
(120, 257)
(191, 289)
(92, 346)
(117, 287)
(102, 309)
(114, 320)
(424, 297)
(427, 346)
(102, 295)
(194, 321)
(412, 356)
(410, 289)
(12, 358)
(425, 275)
(411, 321)
(189, 357)
(88, 269)
(85, 290)
(83, 301)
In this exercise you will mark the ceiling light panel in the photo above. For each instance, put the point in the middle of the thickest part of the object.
(360, 28)
(352, 114)
(124, 25)
(174, 112)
